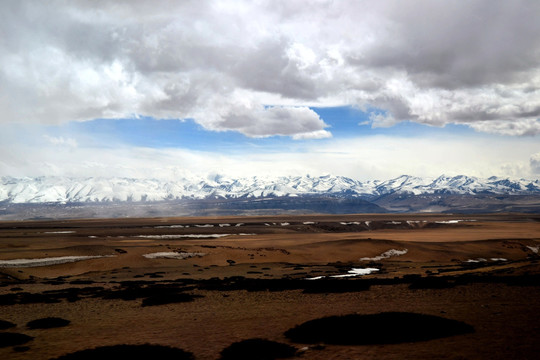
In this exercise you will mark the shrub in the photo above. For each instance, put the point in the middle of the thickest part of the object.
(382, 328)
(47, 323)
(13, 339)
(6, 325)
(131, 352)
(170, 298)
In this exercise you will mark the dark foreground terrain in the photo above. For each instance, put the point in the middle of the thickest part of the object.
(312, 287)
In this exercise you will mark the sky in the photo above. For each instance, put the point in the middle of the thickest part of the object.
(364, 89)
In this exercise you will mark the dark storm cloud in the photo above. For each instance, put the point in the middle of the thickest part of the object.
(452, 44)
(223, 62)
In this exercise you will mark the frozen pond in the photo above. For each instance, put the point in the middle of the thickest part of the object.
(191, 236)
(172, 255)
(351, 273)
(47, 261)
(386, 255)
(184, 236)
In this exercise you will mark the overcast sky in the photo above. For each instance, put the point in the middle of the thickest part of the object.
(366, 89)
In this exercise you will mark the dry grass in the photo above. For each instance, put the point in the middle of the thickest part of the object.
(252, 286)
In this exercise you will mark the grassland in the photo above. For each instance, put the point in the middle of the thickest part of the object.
(203, 284)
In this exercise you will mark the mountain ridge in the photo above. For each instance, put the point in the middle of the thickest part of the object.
(105, 190)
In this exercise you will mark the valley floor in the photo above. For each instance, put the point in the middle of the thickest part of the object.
(202, 284)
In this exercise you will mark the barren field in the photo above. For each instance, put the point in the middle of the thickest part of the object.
(315, 287)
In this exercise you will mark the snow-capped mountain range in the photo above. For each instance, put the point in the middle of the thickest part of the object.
(71, 190)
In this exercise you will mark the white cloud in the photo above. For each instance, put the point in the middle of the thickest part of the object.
(318, 134)
(61, 141)
(380, 120)
(436, 63)
(363, 158)
(534, 162)
(518, 127)
(241, 113)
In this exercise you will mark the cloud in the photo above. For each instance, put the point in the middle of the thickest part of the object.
(256, 120)
(380, 120)
(362, 158)
(519, 127)
(534, 162)
(318, 134)
(253, 67)
(61, 141)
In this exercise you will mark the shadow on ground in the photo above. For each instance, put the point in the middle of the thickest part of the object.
(13, 339)
(47, 323)
(382, 328)
(131, 352)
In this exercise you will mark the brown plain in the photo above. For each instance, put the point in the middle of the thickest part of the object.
(504, 246)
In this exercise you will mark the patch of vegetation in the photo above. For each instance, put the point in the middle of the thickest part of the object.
(382, 328)
(131, 352)
(47, 323)
(137, 290)
(260, 349)
(13, 339)
(50, 296)
(21, 348)
(54, 282)
(26, 298)
(309, 286)
(81, 282)
(432, 283)
(335, 286)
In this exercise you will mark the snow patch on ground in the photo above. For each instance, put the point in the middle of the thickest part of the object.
(534, 249)
(184, 236)
(350, 223)
(172, 255)
(357, 272)
(386, 255)
(47, 261)
(316, 278)
(191, 236)
(479, 260)
(59, 232)
(204, 226)
(351, 273)
(170, 226)
(451, 221)
(411, 222)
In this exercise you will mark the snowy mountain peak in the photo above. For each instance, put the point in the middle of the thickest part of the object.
(69, 190)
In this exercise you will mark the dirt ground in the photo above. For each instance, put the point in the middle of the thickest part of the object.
(253, 277)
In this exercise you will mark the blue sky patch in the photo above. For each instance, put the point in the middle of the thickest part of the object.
(344, 122)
